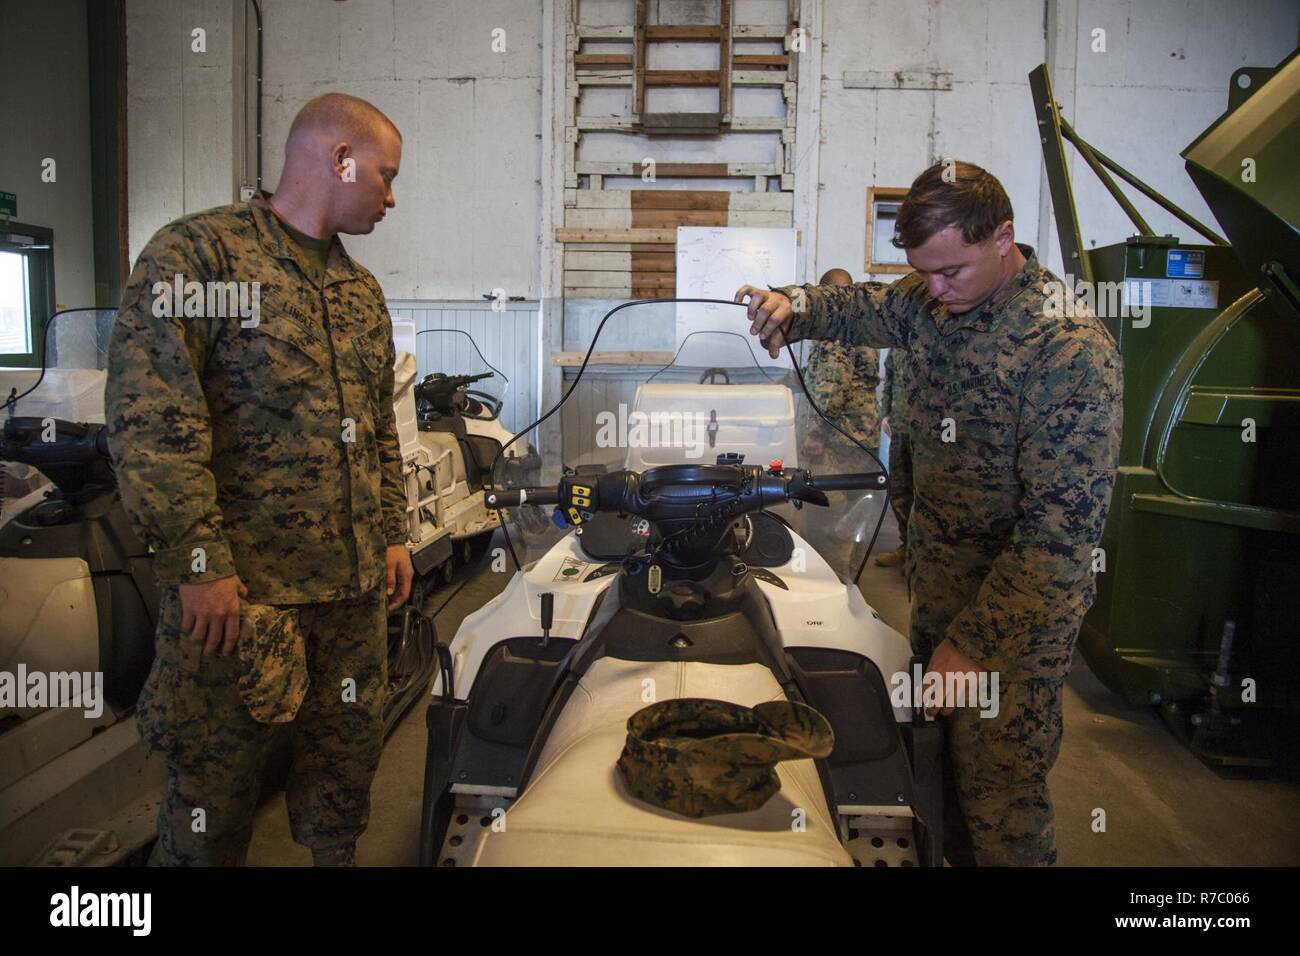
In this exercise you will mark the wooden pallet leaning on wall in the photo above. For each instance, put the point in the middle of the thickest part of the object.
(621, 243)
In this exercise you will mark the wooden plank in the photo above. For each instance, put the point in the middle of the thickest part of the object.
(631, 292)
(605, 33)
(679, 78)
(680, 199)
(576, 257)
(680, 170)
(654, 262)
(627, 247)
(574, 292)
(580, 218)
(684, 169)
(741, 124)
(639, 61)
(665, 218)
(616, 235)
(781, 220)
(756, 59)
(758, 77)
(693, 199)
(594, 279)
(604, 77)
(606, 220)
(724, 59)
(580, 257)
(605, 122)
(612, 358)
(764, 31)
(602, 59)
(683, 33)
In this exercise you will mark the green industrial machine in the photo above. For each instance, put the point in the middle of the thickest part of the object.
(1198, 607)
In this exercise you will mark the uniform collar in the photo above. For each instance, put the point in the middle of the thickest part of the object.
(278, 242)
(988, 315)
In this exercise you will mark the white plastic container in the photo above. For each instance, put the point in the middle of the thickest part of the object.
(694, 424)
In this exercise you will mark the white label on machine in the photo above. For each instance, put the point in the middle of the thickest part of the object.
(714, 261)
(1172, 293)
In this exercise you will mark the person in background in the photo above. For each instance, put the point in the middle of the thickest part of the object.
(893, 407)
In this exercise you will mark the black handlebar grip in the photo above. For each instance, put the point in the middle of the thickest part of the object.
(513, 499)
(863, 481)
(548, 610)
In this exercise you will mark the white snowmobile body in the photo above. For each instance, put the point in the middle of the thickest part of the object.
(527, 722)
(575, 769)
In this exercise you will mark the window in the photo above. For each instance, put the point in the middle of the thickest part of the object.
(26, 292)
(883, 203)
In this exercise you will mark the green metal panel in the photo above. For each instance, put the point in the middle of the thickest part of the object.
(1194, 504)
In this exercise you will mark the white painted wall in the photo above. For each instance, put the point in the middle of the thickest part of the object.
(469, 194)
(469, 189)
(885, 137)
(1162, 80)
(180, 112)
(45, 111)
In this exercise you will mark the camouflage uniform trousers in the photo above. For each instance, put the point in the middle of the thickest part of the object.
(997, 809)
(190, 710)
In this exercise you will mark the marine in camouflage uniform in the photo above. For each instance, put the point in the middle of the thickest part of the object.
(274, 449)
(893, 405)
(1015, 429)
(842, 381)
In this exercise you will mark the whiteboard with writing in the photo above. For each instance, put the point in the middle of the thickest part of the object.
(714, 261)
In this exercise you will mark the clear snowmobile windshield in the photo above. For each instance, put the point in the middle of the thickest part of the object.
(683, 382)
(455, 354)
(68, 380)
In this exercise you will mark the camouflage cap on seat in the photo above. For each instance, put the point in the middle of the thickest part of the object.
(700, 757)
(272, 662)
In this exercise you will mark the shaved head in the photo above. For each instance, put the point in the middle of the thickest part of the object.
(340, 159)
(336, 116)
(836, 277)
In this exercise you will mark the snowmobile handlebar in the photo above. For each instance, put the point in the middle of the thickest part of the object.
(52, 441)
(684, 492)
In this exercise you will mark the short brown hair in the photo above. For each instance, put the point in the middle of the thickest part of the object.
(952, 193)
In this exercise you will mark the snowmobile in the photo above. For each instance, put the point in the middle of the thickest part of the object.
(450, 435)
(690, 554)
(78, 596)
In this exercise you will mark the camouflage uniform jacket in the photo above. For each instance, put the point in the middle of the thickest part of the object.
(1015, 429)
(270, 443)
(842, 381)
(893, 398)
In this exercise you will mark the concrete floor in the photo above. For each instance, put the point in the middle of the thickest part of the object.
(1163, 806)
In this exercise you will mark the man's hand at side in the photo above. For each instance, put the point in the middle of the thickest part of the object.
(210, 613)
(400, 575)
(946, 660)
(769, 316)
